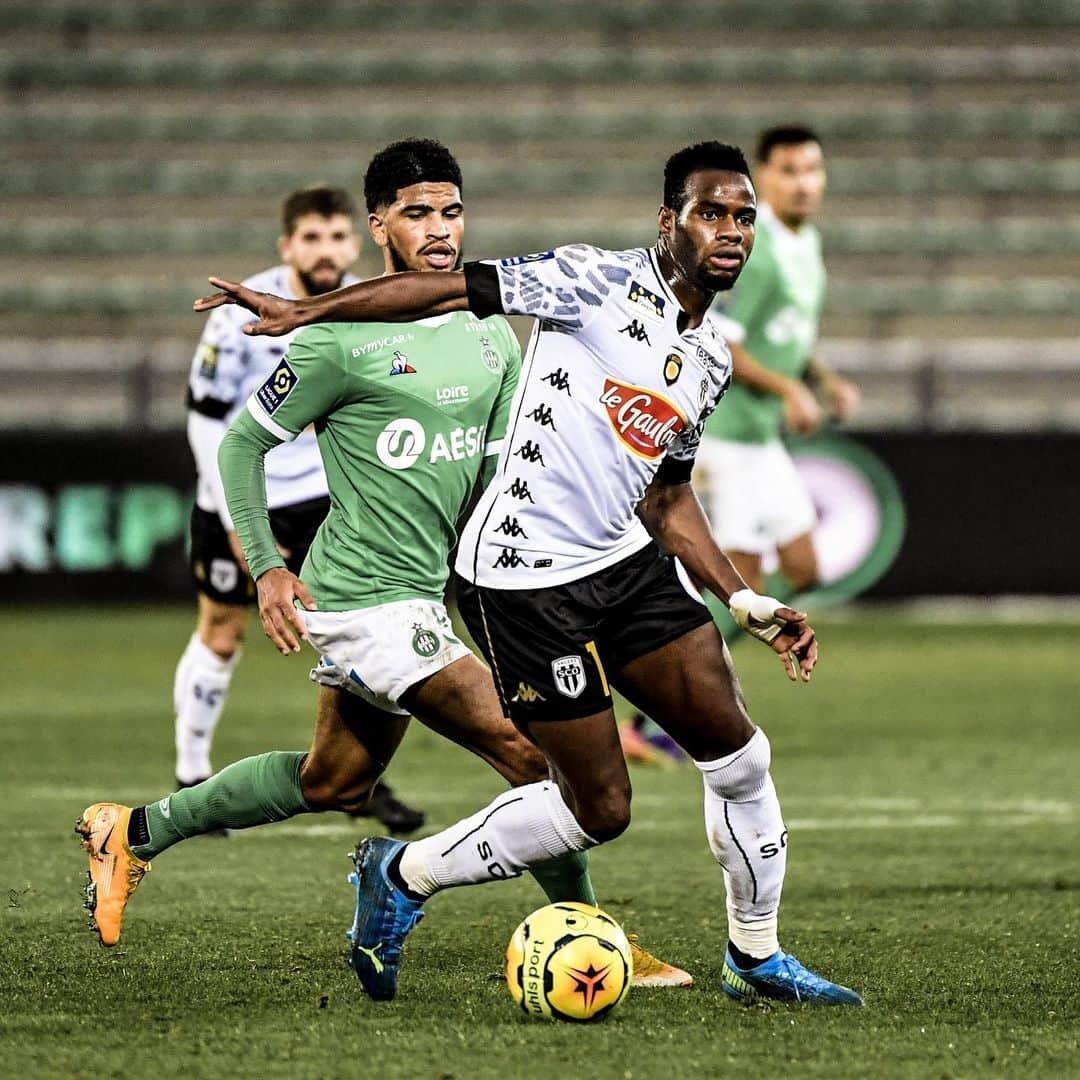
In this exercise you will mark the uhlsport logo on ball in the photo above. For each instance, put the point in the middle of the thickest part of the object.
(568, 961)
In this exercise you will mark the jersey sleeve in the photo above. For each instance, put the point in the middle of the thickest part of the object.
(567, 285)
(243, 473)
(305, 385)
(217, 368)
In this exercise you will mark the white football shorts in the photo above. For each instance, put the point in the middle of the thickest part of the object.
(377, 653)
(753, 495)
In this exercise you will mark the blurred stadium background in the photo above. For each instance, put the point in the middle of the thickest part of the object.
(147, 143)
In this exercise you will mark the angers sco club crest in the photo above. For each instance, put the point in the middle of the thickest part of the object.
(672, 368)
(569, 675)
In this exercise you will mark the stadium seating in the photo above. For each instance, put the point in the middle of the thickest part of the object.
(147, 143)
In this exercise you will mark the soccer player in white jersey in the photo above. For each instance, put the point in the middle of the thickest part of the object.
(575, 568)
(318, 244)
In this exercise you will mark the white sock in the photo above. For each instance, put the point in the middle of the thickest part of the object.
(199, 691)
(520, 828)
(747, 835)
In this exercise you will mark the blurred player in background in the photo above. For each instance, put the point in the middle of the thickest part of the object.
(745, 478)
(319, 242)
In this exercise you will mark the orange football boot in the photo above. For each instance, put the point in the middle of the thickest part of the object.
(649, 971)
(115, 871)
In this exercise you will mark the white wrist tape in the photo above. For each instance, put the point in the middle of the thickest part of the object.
(756, 614)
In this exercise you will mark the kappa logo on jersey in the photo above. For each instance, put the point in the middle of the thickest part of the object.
(402, 442)
(650, 302)
(520, 490)
(208, 361)
(569, 675)
(277, 388)
(559, 380)
(528, 694)
(489, 355)
(646, 423)
(703, 392)
(672, 368)
(508, 559)
(637, 332)
(521, 260)
(542, 415)
(511, 527)
(400, 364)
(530, 452)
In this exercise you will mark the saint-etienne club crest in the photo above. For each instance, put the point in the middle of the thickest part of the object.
(569, 675)
(490, 356)
(425, 642)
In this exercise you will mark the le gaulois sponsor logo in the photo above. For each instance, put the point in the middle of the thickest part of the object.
(646, 422)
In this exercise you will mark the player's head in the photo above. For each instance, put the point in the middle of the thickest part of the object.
(790, 172)
(318, 237)
(415, 214)
(707, 218)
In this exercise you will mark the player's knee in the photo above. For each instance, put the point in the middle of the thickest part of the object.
(222, 631)
(327, 786)
(606, 814)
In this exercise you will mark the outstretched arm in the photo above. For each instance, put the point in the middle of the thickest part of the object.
(673, 515)
(395, 298)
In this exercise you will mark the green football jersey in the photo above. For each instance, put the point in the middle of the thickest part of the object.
(777, 301)
(404, 414)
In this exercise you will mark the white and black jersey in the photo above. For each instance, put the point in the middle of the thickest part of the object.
(227, 368)
(613, 387)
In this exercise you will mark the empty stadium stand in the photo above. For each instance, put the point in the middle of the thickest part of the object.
(147, 143)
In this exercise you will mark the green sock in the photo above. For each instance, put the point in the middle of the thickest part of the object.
(254, 791)
(566, 878)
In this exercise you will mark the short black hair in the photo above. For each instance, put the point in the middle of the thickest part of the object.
(691, 159)
(404, 163)
(324, 201)
(783, 135)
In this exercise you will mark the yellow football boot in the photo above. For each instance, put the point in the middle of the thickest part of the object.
(115, 871)
(649, 971)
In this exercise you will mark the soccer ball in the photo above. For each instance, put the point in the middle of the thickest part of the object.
(568, 961)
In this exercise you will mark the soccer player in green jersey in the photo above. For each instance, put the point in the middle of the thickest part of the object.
(746, 480)
(406, 416)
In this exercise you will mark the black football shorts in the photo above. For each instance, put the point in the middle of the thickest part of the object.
(553, 650)
(219, 576)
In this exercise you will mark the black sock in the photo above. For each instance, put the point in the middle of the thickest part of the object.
(744, 961)
(138, 830)
(393, 872)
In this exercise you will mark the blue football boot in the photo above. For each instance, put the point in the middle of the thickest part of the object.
(384, 916)
(783, 978)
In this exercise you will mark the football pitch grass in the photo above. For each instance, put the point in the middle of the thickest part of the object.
(928, 777)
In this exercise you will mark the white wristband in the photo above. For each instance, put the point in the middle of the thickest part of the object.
(756, 614)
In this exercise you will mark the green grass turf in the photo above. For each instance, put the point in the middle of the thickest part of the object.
(929, 777)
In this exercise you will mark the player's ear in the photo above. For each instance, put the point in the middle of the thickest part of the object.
(665, 220)
(377, 228)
